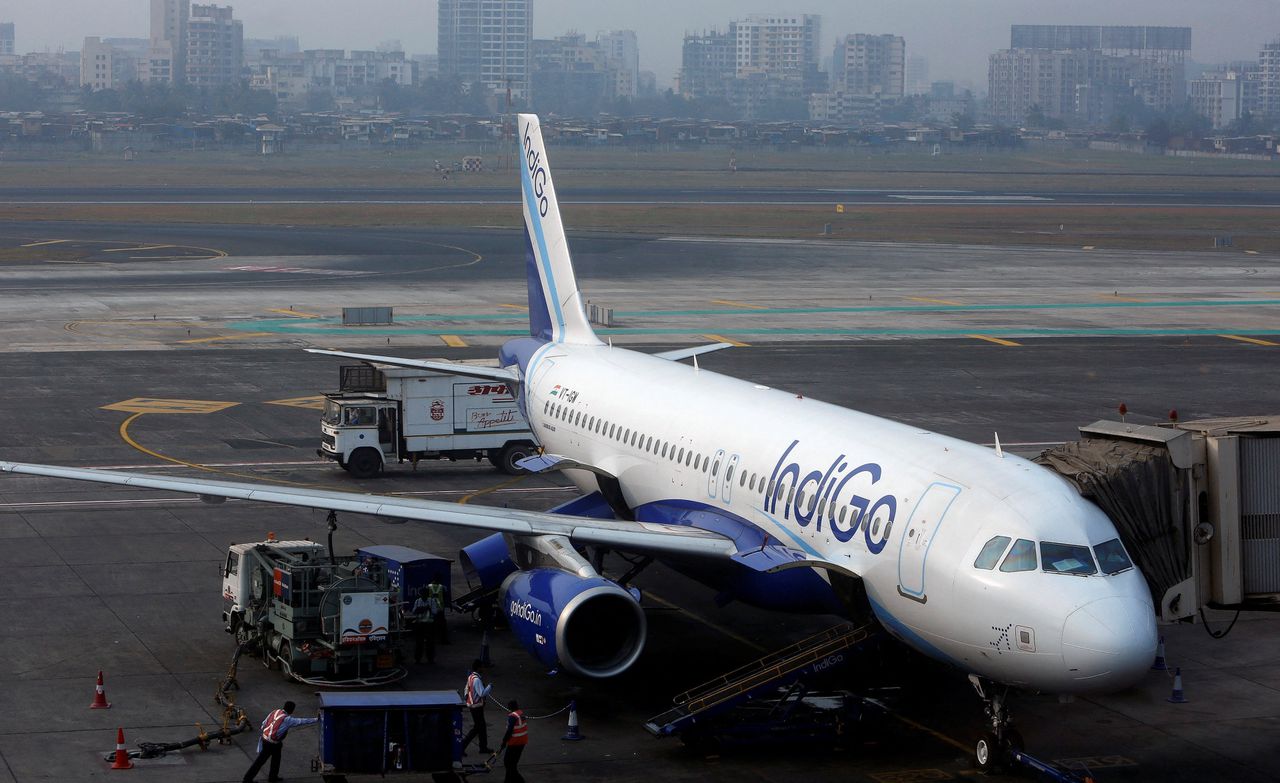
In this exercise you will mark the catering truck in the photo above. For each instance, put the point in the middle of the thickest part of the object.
(383, 415)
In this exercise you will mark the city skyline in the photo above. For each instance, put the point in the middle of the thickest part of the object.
(956, 39)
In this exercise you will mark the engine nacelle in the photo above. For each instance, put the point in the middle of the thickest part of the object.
(590, 627)
(486, 562)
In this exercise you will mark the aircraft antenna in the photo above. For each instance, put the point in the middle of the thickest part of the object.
(695, 362)
(999, 451)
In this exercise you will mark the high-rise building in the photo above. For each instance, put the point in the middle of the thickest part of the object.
(707, 63)
(869, 65)
(780, 46)
(622, 53)
(1269, 79)
(1086, 72)
(764, 65)
(168, 57)
(215, 46)
(1219, 97)
(917, 81)
(487, 42)
(7, 43)
(104, 66)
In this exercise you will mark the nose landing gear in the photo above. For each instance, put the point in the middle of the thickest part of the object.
(1000, 744)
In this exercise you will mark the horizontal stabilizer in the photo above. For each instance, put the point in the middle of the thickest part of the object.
(453, 368)
(697, 350)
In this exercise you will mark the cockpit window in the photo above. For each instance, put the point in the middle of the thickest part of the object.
(1021, 557)
(990, 554)
(1112, 558)
(1067, 559)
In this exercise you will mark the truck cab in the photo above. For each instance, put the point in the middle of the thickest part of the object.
(361, 432)
(245, 582)
(383, 415)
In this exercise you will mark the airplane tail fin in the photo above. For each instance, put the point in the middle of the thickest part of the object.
(556, 310)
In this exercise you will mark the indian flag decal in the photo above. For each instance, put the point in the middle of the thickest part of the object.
(556, 390)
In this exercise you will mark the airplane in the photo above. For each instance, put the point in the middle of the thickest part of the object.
(969, 555)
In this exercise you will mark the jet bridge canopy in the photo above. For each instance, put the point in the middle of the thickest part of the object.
(1197, 505)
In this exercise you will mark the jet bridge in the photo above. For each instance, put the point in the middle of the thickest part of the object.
(1197, 505)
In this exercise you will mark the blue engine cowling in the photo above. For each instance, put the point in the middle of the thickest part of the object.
(590, 627)
(486, 562)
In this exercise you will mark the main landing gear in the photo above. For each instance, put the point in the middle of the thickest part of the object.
(996, 748)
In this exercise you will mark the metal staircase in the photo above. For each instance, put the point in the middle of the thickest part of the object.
(781, 667)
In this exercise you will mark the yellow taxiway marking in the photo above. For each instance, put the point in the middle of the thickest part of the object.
(453, 341)
(315, 402)
(465, 499)
(990, 339)
(744, 305)
(46, 242)
(294, 313)
(514, 306)
(737, 637)
(1088, 247)
(719, 338)
(127, 438)
(141, 247)
(955, 743)
(226, 337)
(1253, 340)
(933, 301)
(158, 405)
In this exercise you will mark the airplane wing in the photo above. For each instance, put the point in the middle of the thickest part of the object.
(628, 536)
(453, 368)
(697, 350)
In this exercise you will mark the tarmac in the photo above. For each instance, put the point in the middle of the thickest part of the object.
(100, 371)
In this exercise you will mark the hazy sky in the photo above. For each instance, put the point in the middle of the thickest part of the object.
(955, 35)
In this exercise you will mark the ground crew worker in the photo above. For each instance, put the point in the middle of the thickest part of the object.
(514, 742)
(475, 694)
(271, 741)
(424, 636)
(436, 591)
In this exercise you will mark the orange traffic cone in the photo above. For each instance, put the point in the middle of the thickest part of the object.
(100, 696)
(122, 756)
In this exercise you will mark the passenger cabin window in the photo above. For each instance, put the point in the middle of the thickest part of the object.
(1112, 558)
(990, 554)
(1021, 557)
(1067, 559)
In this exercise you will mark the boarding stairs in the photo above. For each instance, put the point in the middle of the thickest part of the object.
(779, 668)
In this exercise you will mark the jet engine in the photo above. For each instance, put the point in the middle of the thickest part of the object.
(586, 626)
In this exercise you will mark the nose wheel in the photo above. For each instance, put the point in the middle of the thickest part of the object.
(995, 748)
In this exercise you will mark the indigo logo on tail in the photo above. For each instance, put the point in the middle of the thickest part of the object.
(824, 495)
(537, 172)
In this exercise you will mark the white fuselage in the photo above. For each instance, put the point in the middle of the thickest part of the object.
(906, 510)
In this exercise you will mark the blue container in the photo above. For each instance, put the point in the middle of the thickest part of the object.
(387, 733)
(410, 569)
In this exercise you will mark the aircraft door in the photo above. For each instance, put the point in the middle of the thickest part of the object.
(726, 490)
(918, 535)
(713, 476)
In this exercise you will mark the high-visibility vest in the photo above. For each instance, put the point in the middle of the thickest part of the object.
(272, 725)
(519, 732)
(474, 697)
(436, 591)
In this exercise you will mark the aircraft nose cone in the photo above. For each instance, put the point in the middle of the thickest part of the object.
(1109, 644)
